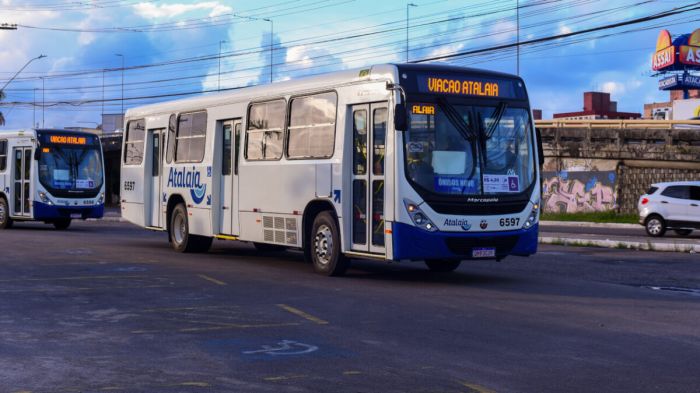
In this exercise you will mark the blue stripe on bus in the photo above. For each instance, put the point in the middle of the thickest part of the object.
(410, 242)
(43, 211)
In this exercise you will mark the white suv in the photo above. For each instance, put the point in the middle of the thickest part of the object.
(673, 205)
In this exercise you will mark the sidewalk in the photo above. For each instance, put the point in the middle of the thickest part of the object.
(622, 236)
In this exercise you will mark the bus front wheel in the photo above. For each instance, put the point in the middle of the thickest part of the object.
(442, 265)
(324, 246)
(5, 220)
(180, 236)
(62, 223)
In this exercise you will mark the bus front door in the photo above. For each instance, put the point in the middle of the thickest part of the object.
(22, 180)
(228, 218)
(369, 146)
(157, 137)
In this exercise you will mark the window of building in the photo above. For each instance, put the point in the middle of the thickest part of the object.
(190, 137)
(133, 146)
(312, 126)
(265, 129)
(3, 155)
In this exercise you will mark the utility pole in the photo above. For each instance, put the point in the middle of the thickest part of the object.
(43, 101)
(103, 93)
(122, 56)
(408, 5)
(34, 109)
(517, 47)
(219, 79)
(272, 29)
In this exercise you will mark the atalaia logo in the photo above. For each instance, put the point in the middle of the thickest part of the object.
(191, 179)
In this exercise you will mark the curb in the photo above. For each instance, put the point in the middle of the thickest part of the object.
(584, 224)
(622, 244)
(107, 219)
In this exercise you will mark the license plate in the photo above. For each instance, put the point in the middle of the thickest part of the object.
(484, 252)
(76, 215)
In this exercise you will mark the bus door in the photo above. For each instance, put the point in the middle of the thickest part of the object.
(229, 177)
(369, 140)
(22, 176)
(156, 202)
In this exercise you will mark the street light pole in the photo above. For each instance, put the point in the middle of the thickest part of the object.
(43, 101)
(272, 29)
(122, 56)
(219, 79)
(408, 5)
(20, 70)
(34, 109)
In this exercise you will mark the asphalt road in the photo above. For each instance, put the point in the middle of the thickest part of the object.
(107, 307)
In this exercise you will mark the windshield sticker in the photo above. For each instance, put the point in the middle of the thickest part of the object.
(501, 183)
(415, 147)
(456, 185)
(85, 183)
(61, 175)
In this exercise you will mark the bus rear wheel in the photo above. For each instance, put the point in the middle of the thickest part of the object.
(324, 246)
(5, 220)
(442, 265)
(180, 236)
(62, 223)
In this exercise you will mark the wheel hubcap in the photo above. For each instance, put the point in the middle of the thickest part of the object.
(654, 226)
(179, 228)
(323, 244)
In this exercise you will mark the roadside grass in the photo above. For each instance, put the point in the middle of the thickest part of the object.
(600, 217)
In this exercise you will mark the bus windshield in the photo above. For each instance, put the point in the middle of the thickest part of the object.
(67, 170)
(469, 150)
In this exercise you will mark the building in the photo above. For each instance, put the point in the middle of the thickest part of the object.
(537, 114)
(596, 106)
(664, 110)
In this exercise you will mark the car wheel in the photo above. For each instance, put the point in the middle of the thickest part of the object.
(5, 220)
(324, 244)
(442, 265)
(683, 232)
(62, 224)
(180, 237)
(655, 226)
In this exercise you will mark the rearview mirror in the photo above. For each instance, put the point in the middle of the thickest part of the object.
(540, 149)
(400, 117)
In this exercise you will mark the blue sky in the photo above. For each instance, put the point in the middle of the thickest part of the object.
(171, 46)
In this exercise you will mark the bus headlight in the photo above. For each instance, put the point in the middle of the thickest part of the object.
(532, 218)
(418, 217)
(102, 199)
(44, 198)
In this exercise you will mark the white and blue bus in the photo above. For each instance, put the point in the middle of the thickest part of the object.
(391, 162)
(53, 176)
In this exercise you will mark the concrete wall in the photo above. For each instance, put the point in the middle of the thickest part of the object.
(600, 166)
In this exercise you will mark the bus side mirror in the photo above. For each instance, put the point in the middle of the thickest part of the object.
(540, 149)
(400, 118)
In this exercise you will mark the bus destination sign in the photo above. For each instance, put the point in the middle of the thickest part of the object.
(68, 140)
(470, 86)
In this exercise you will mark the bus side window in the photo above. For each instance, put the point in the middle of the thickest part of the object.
(134, 142)
(226, 146)
(379, 140)
(3, 155)
(170, 152)
(264, 132)
(311, 131)
(236, 141)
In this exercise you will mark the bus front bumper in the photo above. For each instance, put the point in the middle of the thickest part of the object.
(410, 242)
(43, 211)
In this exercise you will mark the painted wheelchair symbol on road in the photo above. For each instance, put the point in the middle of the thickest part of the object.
(285, 348)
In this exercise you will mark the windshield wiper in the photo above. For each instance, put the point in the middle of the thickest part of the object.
(497, 115)
(468, 133)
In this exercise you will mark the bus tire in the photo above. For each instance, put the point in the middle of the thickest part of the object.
(5, 220)
(324, 244)
(180, 237)
(62, 223)
(442, 265)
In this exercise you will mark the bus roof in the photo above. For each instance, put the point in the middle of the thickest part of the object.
(338, 78)
(33, 132)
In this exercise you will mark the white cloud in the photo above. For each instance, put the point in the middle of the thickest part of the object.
(614, 88)
(153, 11)
(504, 31)
(564, 29)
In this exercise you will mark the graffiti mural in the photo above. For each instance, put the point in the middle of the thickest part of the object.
(579, 191)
